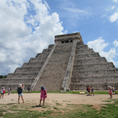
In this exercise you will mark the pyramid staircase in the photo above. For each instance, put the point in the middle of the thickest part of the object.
(69, 64)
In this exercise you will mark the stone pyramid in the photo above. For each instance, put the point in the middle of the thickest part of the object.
(67, 65)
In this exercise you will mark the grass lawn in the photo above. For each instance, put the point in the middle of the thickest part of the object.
(109, 110)
(71, 92)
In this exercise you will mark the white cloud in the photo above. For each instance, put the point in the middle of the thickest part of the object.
(76, 10)
(26, 27)
(114, 17)
(116, 43)
(115, 1)
(99, 45)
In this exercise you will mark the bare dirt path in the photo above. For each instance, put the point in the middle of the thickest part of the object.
(56, 98)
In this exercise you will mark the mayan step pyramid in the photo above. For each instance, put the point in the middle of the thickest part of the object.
(69, 64)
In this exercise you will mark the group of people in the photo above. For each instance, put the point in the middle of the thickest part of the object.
(90, 91)
(111, 91)
(43, 94)
(20, 88)
(3, 91)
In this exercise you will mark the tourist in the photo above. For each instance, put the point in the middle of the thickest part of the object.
(92, 91)
(43, 95)
(88, 91)
(113, 90)
(2, 92)
(9, 91)
(110, 92)
(28, 89)
(20, 93)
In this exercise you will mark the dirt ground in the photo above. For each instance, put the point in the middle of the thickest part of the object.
(56, 98)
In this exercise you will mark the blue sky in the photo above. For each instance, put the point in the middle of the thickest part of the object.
(90, 17)
(29, 26)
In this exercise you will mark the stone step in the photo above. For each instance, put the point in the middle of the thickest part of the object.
(100, 86)
(14, 75)
(37, 60)
(93, 73)
(94, 70)
(22, 77)
(27, 72)
(87, 55)
(89, 62)
(32, 65)
(84, 50)
(16, 81)
(14, 86)
(95, 79)
(88, 58)
(93, 67)
(79, 78)
(50, 46)
(79, 46)
(55, 69)
(28, 69)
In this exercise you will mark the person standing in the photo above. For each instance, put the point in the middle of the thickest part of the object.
(1, 93)
(43, 95)
(9, 91)
(110, 92)
(20, 93)
(92, 91)
(88, 90)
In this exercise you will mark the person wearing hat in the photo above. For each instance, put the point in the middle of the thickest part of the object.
(20, 93)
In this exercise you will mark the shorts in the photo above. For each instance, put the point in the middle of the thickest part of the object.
(20, 94)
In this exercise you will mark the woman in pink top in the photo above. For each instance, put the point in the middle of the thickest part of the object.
(43, 95)
(110, 92)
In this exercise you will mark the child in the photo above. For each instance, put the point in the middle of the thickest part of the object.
(20, 95)
(43, 95)
(110, 92)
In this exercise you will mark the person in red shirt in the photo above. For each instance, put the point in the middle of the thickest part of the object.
(88, 90)
(110, 92)
(2, 93)
(43, 95)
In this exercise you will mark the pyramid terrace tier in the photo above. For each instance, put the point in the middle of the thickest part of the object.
(21, 76)
(95, 85)
(95, 79)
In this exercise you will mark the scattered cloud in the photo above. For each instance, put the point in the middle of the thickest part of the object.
(116, 43)
(76, 10)
(99, 45)
(115, 1)
(114, 17)
(26, 27)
